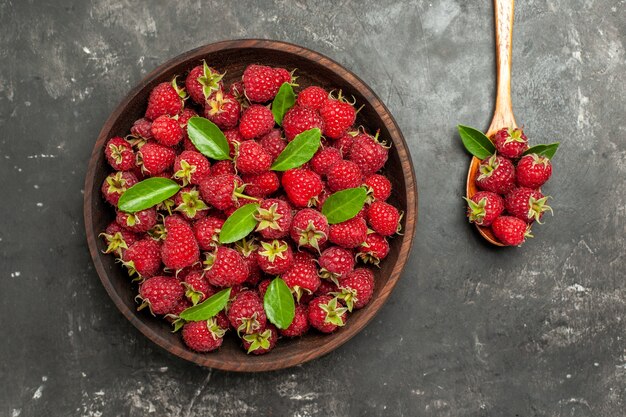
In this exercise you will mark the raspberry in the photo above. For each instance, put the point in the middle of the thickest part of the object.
(368, 153)
(324, 159)
(160, 294)
(348, 234)
(312, 97)
(180, 248)
(261, 342)
(197, 288)
(165, 99)
(246, 313)
(302, 277)
(533, 171)
(256, 121)
(225, 267)
(511, 231)
(302, 186)
(357, 288)
(274, 217)
(166, 131)
(378, 187)
(155, 159)
(526, 204)
(275, 257)
(510, 143)
(116, 184)
(252, 158)
(326, 314)
(484, 207)
(299, 119)
(496, 174)
(273, 143)
(261, 185)
(338, 116)
(342, 175)
(118, 239)
(202, 81)
(261, 83)
(207, 231)
(309, 229)
(374, 249)
(222, 191)
(300, 324)
(119, 154)
(137, 222)
(143, 258)
(203, 336)
(335, 262)
(383, 218)
(223, 109)
(191, 167)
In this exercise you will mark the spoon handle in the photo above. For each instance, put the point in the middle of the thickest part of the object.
(503, 114)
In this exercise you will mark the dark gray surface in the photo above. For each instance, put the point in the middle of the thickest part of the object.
(469, 331)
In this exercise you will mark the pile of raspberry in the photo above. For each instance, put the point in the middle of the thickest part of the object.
(173, 248)
(510, 200)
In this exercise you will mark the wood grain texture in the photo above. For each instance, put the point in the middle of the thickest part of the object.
(503, 113)
(313, 68)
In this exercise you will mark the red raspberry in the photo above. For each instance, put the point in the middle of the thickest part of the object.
(324, 159)
(344, 143)
(284, 75)
(335, 262)
(357, 288)
(207, 232)
(312, 97)
(262, 342)
(275, 257)
(262, 288)
(189, 204)
(496, 174)
(184, 116)
(510, 230)
(115, 184)
(225, 267)
(533, 171)
(246, 313)
(526, 204)
(300, 324)
(165, 99)
(342, 175)
(191, 167)
(326, 314)
(274, 217)
(160, 294)
(139, 222)
(223, 167)
(302, 277)
(326, 288)
(369, 154)
(237, 90)
(484, 207)
(119, 154)
(299, 119)
(256, 121)
(203, 336)
(273, 143)
(309, 229)
(383, 218)
(223, 109)
(197, 288)
(374, 249)
(252, 158)
(234, 138)
(143, 258)
(338, 116)
(221, 191)
(155, 159)
(261, 83)
(202, 81)
(378, 187)
(166, 131)
(180, 248)
(348, 234)
(302, 186)
(510, 143)
(118, 239)
(142, 128)
(261, 185)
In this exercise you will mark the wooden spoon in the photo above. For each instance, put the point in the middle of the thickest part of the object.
(503, 114)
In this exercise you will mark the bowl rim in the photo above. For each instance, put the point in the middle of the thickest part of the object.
(275, 363)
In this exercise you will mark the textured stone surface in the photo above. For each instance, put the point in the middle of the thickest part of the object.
(470, 330)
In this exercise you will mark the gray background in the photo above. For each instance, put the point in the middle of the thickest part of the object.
(469, 331)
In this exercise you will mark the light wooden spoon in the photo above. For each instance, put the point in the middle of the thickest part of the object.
(503, 114)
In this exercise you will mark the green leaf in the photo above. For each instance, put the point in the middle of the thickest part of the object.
(208, 138)
(284, 100)
(147, 193)
(278, 304)
(545, 150)
(476, 142)
(299, 151)
(239, 224)
(208, 308)
(344, 205)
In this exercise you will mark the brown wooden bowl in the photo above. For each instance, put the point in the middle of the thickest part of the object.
(312, 68)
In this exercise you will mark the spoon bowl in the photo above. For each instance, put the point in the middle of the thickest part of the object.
(503, 113)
